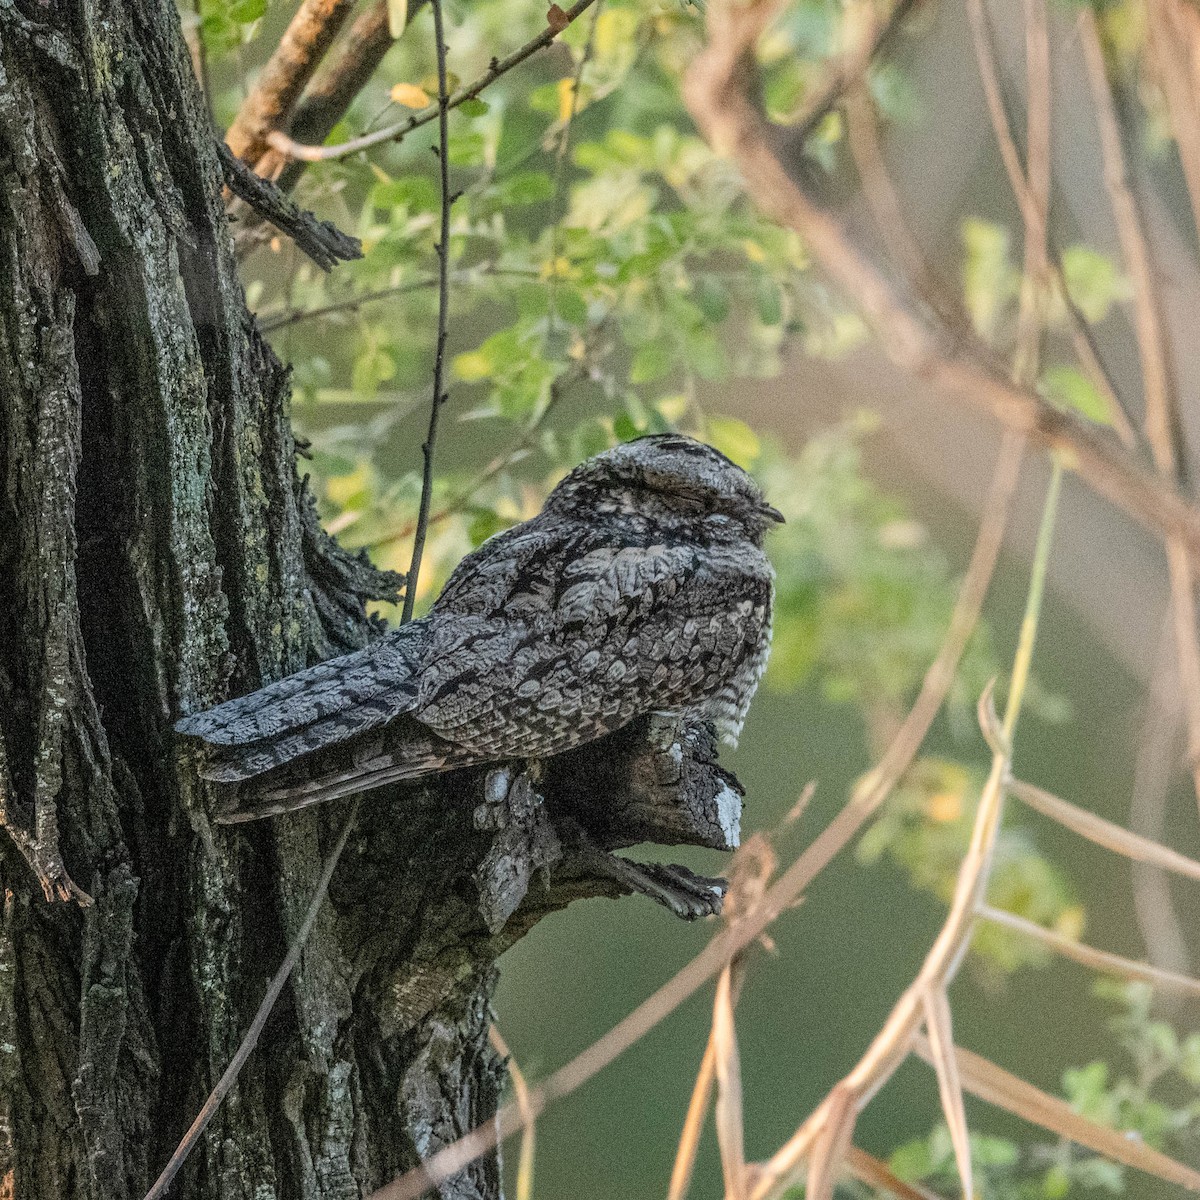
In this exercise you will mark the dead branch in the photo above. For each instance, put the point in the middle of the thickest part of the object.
(1103, 832)
(1163, 430)
(322, 241)
(996, 1086)
(1089, 956)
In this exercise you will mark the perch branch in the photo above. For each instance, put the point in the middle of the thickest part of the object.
(289, 148)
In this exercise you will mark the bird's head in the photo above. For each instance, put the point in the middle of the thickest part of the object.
(668, 478)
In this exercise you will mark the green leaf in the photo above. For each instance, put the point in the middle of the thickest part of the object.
(652, 361)
(397, 11)
(466, 149)
(248, 10)
(474, 107)
(989, 280)
(1093, 281)
(712, 299)
(1067, 387)
(484, 524)
(735, 439)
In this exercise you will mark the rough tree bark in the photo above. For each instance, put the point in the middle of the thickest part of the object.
(157, 554)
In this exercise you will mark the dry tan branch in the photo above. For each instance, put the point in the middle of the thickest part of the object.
(718, 91)
(876, 1174)
(995, 1085)
(524, 1189)
(1104, 833)
(1088, 956)
(1162, 424)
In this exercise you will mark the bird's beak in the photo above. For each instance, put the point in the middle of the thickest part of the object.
(771, 513)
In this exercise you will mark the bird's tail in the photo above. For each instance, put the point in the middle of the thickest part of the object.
(404, 749)
(324, 706)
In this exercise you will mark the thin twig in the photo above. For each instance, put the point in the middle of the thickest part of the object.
(439, 360)
(281, 320)
(394, 133)
(1162, 928)
(1158, 380)
(227, 1080)
(1103, 832)
(849, 70)
(1089, 956)
(560, 165)
(869, 1170)
(870, 793)
(524, 1190)
(574, 374)
(1174, 30)
(997, 1086)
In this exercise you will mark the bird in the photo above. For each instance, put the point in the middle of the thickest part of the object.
(642, 586)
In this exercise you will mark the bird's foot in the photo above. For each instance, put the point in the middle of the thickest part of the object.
(686, 894)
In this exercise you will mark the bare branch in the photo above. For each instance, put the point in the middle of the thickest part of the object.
(879, 1175)
(322, 241)
(1158, 380)
(1104, 833)
(940, 1026)
(1088, 956)
(995, 1085)
(285, 146)
(729, 1120)
(529, 1133)
(282, 79)
(848, 71)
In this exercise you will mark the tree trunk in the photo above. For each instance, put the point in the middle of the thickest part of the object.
(158, 554)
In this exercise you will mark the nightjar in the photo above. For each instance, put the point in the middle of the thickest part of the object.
(641, 587)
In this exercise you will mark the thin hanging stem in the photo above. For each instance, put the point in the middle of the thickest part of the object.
(439, 360)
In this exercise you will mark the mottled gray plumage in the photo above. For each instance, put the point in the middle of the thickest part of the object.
(640, 587)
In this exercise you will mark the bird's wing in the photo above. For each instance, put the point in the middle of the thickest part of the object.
(311, 709)
(588, 642)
